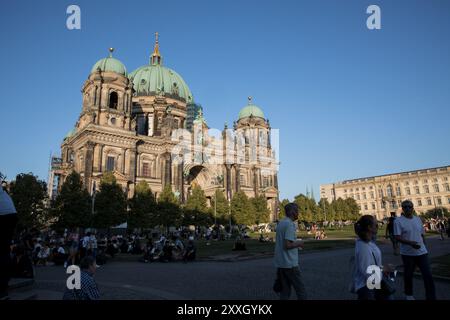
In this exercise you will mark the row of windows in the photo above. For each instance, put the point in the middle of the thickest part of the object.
(416, 182)
(408, 191)
(397, 204)
(111, 166)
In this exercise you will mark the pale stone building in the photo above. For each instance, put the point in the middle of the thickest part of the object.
(130, 125)
(381, 195)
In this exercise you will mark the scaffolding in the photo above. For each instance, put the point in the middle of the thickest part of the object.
(54, 175)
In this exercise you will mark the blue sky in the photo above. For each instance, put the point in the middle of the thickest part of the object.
(349, 102)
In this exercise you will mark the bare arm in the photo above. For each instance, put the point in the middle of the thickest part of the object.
(288, 244)
(404, 241)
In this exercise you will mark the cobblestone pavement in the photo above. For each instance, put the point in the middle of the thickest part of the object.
(326, 275)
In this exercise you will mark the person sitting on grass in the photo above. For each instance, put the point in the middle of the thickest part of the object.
(43, 255)
(189, 253)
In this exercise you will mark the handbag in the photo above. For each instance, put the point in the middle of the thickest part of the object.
(387, 285)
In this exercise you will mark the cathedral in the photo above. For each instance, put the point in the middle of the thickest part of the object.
(146, 126)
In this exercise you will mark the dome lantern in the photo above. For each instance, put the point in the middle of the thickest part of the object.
(155, 58)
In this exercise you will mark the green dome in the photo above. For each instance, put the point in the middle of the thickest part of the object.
(154, 79)
(251, 110)
(110, 64)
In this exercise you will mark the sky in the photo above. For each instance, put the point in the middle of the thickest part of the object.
(349, 102)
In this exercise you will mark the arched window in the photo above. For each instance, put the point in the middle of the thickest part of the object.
(113, 99)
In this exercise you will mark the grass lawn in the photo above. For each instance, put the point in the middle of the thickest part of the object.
(254, 247)
(441, 265)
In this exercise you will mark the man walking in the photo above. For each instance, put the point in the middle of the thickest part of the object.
(286, 255)
(408, 230)
(8, 221)
(390, 233)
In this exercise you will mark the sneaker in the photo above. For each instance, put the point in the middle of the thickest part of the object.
(65, 265)
(410, 298)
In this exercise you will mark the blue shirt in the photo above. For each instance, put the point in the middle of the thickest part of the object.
(88, 291)
(285, 258)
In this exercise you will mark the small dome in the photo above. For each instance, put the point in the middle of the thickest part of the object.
(110, 64)
(251, 110)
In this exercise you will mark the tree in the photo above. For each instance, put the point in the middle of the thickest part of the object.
(142, 212)
(262, 213)
(242, 210)
(222, 207)
(282, 212)
(307, 208)
(29, 195)
(436, 213)
(340, 209)
(169, 211)
(196, 211)
(110, 203)
(352, 209)
(72, 207)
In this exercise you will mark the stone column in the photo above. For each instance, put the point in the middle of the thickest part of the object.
(123, 160)
(228, 180)
(88, 163)
(256, 181)
(100, 158)
(238, 178)
(133, 166)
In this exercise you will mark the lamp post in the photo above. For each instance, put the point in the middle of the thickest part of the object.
(215, 207)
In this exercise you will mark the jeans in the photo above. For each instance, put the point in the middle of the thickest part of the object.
(291, 277)
(410, 263)
(7, 225)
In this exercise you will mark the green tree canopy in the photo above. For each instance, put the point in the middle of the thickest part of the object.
(29, 195)
(196, 211)
(169, 212)
(110, 203)
(307, 208)
(436, 213)
(242, 210)
(72, 207)
(262, 213)
(282, 212)
(143, 207)
(222, 207)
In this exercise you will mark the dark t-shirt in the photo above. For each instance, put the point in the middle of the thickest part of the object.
(390, 226)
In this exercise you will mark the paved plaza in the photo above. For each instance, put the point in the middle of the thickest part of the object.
(326, 275)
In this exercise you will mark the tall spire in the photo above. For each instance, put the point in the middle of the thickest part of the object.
(155, 58)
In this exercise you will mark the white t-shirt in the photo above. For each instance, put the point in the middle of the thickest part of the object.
(412, 230)
(366, 254)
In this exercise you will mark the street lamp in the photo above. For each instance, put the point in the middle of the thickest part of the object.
(215, 207)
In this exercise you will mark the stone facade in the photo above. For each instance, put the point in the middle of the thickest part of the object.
(381, 195)
(137, 137)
